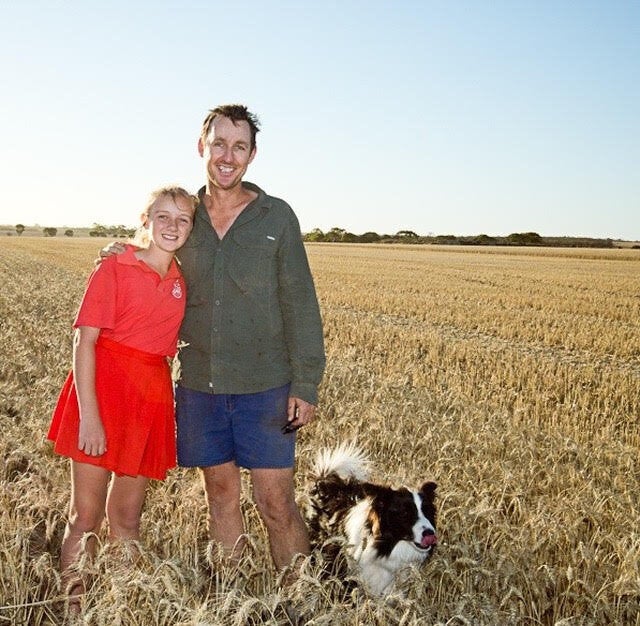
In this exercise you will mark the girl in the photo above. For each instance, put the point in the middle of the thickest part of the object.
(114, 418)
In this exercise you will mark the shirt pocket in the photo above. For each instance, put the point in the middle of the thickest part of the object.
(196, 258)
(253, 265)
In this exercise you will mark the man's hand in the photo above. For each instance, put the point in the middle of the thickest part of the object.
(115, 247)
(299, 413)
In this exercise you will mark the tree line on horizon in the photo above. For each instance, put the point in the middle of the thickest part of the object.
(340, 235)
(97, 230)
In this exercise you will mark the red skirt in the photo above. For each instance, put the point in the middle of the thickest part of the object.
(135, 398)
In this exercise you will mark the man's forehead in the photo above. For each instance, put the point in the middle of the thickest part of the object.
(226, 128)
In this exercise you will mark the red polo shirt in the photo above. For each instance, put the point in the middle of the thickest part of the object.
(134, 306)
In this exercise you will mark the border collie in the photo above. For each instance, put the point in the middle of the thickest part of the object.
(380, 529)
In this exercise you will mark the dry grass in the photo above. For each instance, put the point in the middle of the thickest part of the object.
(511, 377)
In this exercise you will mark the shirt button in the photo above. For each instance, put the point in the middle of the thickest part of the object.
(218, 302)
(215, 329)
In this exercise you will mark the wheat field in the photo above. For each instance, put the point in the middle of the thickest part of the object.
(511, 377)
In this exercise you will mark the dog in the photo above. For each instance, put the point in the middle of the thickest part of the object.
(379, 529)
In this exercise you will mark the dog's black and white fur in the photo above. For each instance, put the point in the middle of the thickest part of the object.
(381, 529)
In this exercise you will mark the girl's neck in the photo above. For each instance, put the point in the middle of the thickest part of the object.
(156, 259)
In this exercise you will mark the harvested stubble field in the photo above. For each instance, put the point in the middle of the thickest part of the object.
(509, 376)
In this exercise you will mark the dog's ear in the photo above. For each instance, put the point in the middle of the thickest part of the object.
(382, 509)
(380, 496)
(374, 491)
(429, 490)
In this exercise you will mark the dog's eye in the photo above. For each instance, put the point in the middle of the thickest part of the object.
(428, 509)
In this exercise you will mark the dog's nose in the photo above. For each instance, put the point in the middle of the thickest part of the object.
(429, 538)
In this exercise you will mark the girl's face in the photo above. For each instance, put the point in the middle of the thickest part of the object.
(169, 222)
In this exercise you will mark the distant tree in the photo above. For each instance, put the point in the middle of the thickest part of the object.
(126, 232)
(446, 239)
(335, 234)
(120, 231)
(98, 230)
(68, 233)
(19, 228)
(349, 237)
(533, 238)
(525, 239)
(369, 237)
(315, 235)
(406, 234)
(484, 240)
(50, 231)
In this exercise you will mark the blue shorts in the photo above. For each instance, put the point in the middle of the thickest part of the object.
(245, 428)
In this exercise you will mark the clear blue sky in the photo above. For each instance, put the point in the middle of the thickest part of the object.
(438, 117)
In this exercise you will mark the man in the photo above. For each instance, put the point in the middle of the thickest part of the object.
(254, 353)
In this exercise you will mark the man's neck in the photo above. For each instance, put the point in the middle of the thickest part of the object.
(224, 205)
(227, 201)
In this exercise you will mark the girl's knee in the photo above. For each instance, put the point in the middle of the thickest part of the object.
(123, 523)
(124, 506)
(81, 522)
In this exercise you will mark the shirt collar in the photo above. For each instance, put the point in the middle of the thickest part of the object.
(128, 257)
(252, 209)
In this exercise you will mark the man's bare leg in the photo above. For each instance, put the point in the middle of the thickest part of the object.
(275, 498)
(226, 525)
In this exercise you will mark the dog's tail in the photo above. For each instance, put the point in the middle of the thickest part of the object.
(347, 460)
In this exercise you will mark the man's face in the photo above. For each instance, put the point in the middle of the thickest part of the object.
(227, 152)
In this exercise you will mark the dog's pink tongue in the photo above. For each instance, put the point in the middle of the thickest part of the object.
(428, 540)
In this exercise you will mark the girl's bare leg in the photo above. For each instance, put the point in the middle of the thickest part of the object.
(86, 512)
(124, 507)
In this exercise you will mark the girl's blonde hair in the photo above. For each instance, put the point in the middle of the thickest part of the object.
(141, 236)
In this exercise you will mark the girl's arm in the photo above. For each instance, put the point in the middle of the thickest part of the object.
(91, 437)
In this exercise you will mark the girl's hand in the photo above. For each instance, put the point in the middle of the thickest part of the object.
(91, 437)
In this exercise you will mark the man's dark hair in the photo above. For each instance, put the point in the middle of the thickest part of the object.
(236, 113)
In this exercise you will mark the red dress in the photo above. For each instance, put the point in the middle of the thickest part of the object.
(139, 315)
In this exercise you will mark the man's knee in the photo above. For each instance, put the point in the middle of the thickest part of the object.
(277, 505)
(222, 488)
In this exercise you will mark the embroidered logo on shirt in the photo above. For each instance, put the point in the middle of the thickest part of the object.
(176, 292)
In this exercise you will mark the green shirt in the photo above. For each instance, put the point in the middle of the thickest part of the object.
(252, 321)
